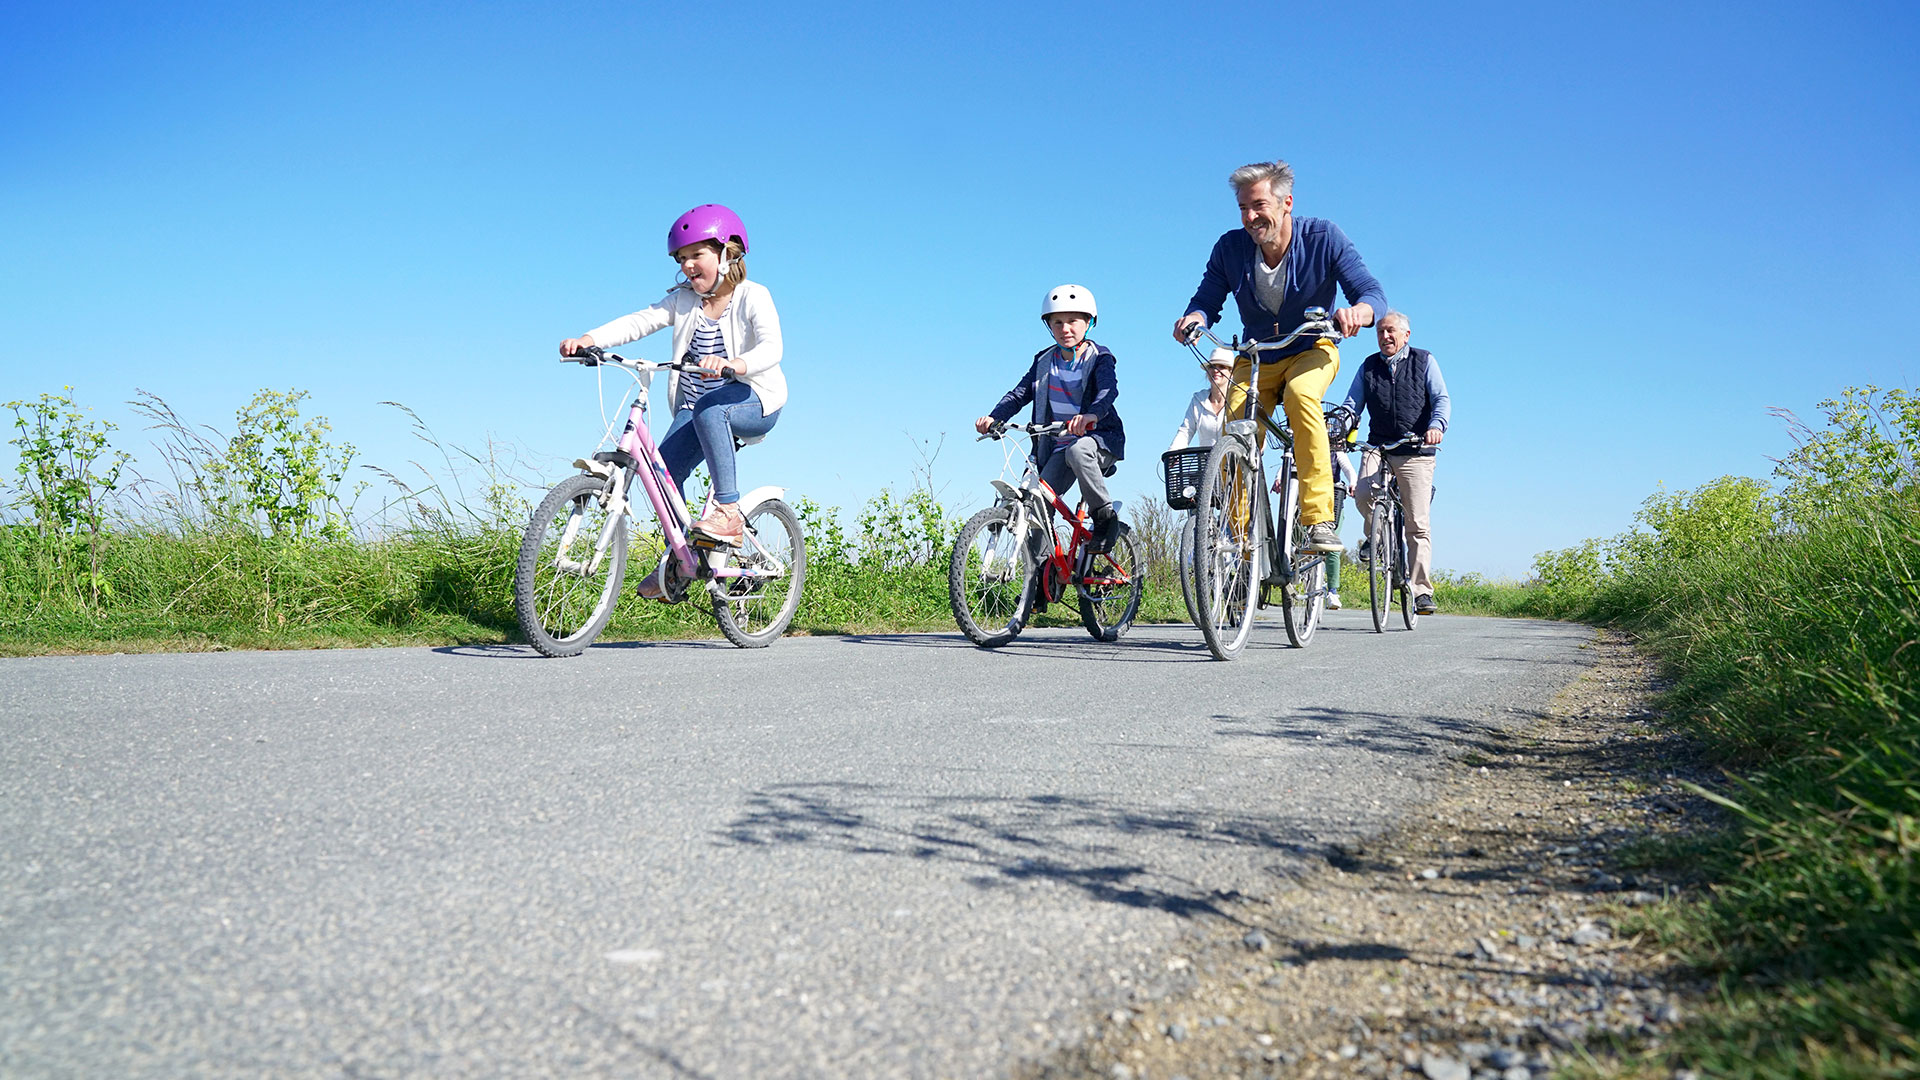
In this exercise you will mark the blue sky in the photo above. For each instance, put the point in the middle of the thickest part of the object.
(1625, 231)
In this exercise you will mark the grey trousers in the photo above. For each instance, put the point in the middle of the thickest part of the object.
(1081, 460)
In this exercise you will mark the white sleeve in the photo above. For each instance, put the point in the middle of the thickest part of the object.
(757, 311)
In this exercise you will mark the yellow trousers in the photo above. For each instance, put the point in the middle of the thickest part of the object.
(1300, 381)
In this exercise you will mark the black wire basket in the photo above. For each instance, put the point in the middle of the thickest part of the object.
(1183, 469)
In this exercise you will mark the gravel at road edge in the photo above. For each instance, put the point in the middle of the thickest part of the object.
(1476, 941)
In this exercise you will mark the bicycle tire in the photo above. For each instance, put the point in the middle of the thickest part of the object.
(1227, 544)
(1403, 560)
(1303, 599)
(1108, 611)
(1184, 571)
(563, 612)
(1379, 571)
(754, 612)
(991, 608)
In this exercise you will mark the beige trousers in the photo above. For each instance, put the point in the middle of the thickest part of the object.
(1414, 474)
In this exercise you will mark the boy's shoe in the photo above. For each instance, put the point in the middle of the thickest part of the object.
(1423, 604)
(1323, 538)
(1106, 530)
(722, 525)
(1333, 601)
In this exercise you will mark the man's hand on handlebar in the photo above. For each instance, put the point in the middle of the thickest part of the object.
(573, 345)
(1186, 326)
(983, 425)
(1434, 435)
(1351, 320)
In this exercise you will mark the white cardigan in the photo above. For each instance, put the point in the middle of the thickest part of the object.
(1201, 426)
(749, 327)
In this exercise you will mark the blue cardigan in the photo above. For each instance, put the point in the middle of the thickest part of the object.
(1096, 400)
(1319, 257)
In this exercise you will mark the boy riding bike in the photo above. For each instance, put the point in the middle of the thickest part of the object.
(1072, 381)
(726, 324)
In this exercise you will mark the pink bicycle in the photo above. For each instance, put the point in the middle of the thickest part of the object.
(574, 556)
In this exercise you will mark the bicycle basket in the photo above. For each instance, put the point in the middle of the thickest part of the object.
(1183, 469)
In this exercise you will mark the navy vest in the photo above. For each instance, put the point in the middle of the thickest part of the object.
(1396, 407)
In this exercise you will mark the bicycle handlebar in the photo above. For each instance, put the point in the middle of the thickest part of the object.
(1000, 430)
(1403, 440)
(594, 356)
(1318, 324)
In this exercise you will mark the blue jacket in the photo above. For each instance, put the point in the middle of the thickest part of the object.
(1319, 257)
(1096, 400)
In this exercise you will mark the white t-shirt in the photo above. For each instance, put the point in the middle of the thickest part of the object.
(1270, 283)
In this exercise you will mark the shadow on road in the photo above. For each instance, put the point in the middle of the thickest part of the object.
(527, 652)
(1078, 647)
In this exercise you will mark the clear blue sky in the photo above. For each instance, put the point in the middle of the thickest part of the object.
(1625, 232)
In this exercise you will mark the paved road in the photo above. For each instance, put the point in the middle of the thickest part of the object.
(838, 857)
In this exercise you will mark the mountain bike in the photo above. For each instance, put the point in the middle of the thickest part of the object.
(1020, 554)
(1246, 554)
(574, 555)
(1394, 573)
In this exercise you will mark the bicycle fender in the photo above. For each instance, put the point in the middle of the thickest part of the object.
(1007, 490)
(759, 495)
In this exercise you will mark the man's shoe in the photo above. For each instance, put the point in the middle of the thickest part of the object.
(1423, 604)
(1366, 551)
(1322, 538)
(1333, 601)
(722, 525)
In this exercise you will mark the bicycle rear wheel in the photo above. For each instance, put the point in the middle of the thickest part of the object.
(1227, 540)
(990, 579)
(1185, 568)
(1379, 563)
(754, 611)
(1110, 591)
(563, 602)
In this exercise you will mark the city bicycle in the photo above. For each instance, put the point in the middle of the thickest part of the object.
(574, 555)
(1247, 554)
(1394, 573)
(1020, 554)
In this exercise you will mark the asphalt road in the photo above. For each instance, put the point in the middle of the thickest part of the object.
(837, 857)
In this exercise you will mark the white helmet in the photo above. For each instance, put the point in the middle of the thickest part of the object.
(1070, 298)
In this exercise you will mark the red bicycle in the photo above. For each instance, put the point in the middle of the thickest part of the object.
(1019, 555)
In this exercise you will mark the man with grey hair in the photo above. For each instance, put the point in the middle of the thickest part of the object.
(1277, 266)
(1403, 393)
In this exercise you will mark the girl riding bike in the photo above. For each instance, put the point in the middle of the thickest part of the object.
(723, 322)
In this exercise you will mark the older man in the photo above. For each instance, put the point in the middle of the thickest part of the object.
(1402, 391)
(1276, 266)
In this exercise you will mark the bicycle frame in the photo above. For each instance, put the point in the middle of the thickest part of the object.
(638, 455)
(1282, 570)
(1035, 495)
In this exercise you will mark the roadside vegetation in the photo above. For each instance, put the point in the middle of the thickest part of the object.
(1785, 610)
(1787, 614)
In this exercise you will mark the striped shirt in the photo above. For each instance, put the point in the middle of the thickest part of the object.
(1066, 384)
(706, 342)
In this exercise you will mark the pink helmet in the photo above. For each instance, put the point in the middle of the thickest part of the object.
(709, 221)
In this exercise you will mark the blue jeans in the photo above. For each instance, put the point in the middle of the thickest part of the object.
(707, 431)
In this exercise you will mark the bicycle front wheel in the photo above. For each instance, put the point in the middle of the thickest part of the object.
(1227, 540)
(753, 610)
(1110, 592)
(1403, 560)
(1379, 572)
(565, 586)
(990, 579)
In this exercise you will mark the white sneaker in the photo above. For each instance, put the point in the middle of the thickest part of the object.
(1333, 601)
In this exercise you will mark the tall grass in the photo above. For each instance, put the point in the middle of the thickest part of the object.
(269, 534)
(1789, 616)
